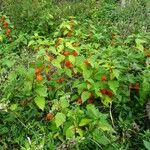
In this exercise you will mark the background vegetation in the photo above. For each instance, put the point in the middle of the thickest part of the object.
(74, 74)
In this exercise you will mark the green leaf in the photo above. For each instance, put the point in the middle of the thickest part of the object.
(41, 91)
(40, 102)
(63, 102)
(113, 85)
(72, 59)
(92, 111)
(28, 85)
(106, 127)
(12, 76)
(87, 74)
(139, 43)
(85, 96)
(92, 60)
(8, 63)
(146, 144)
(30, 73)
(70, 132)
(13, 107)
(53, 50)
(106, 100)
(31, 43)
(100, 137)
(140, 47)
(56, 63)
(68, 72)
(80, 131)
(80, 60)
(84, 122)
(69, 45)
(60, 118)
(81, 87)
(3, 130)
(115, 74)
(60, 48)
(1, 38)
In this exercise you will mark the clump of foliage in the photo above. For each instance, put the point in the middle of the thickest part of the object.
(73, 83)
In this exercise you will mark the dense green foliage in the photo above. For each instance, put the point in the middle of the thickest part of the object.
(74, 75)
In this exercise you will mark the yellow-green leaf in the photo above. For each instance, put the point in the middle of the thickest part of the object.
(60, 118)
(40, 102)
(84, 122)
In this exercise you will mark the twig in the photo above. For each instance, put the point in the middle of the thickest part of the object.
(111, 117)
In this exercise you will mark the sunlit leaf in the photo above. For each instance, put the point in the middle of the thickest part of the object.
(40, 102)
(60, 118)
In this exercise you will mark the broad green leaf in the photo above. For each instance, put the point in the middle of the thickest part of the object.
(60, 48)
(60, 58)
(146, 144)
(106, 127)
(68, 72)
(56, 63)
(12, 76)
(31, 73)
(92, 60)
(41, 91)
(31, 43)
(113, 85)
(8, 63)
(56, 105)
(40, 102)
(87, 74)
(99, 73)
(80, 131)
(80, 60)
(63, 102)
(140, 47)
(106, 100)
(53, 50)
(115, 74)
(81, 87)
(99, 136)
(70, 132)
(28, 85)
(139, 43)
(22, 70)
(13, 107)
(60, 118)
(85, 96)
(41, 53)
(92, 111)
(69, 45)
(3, 130)
(84, 122)
(72, 59)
